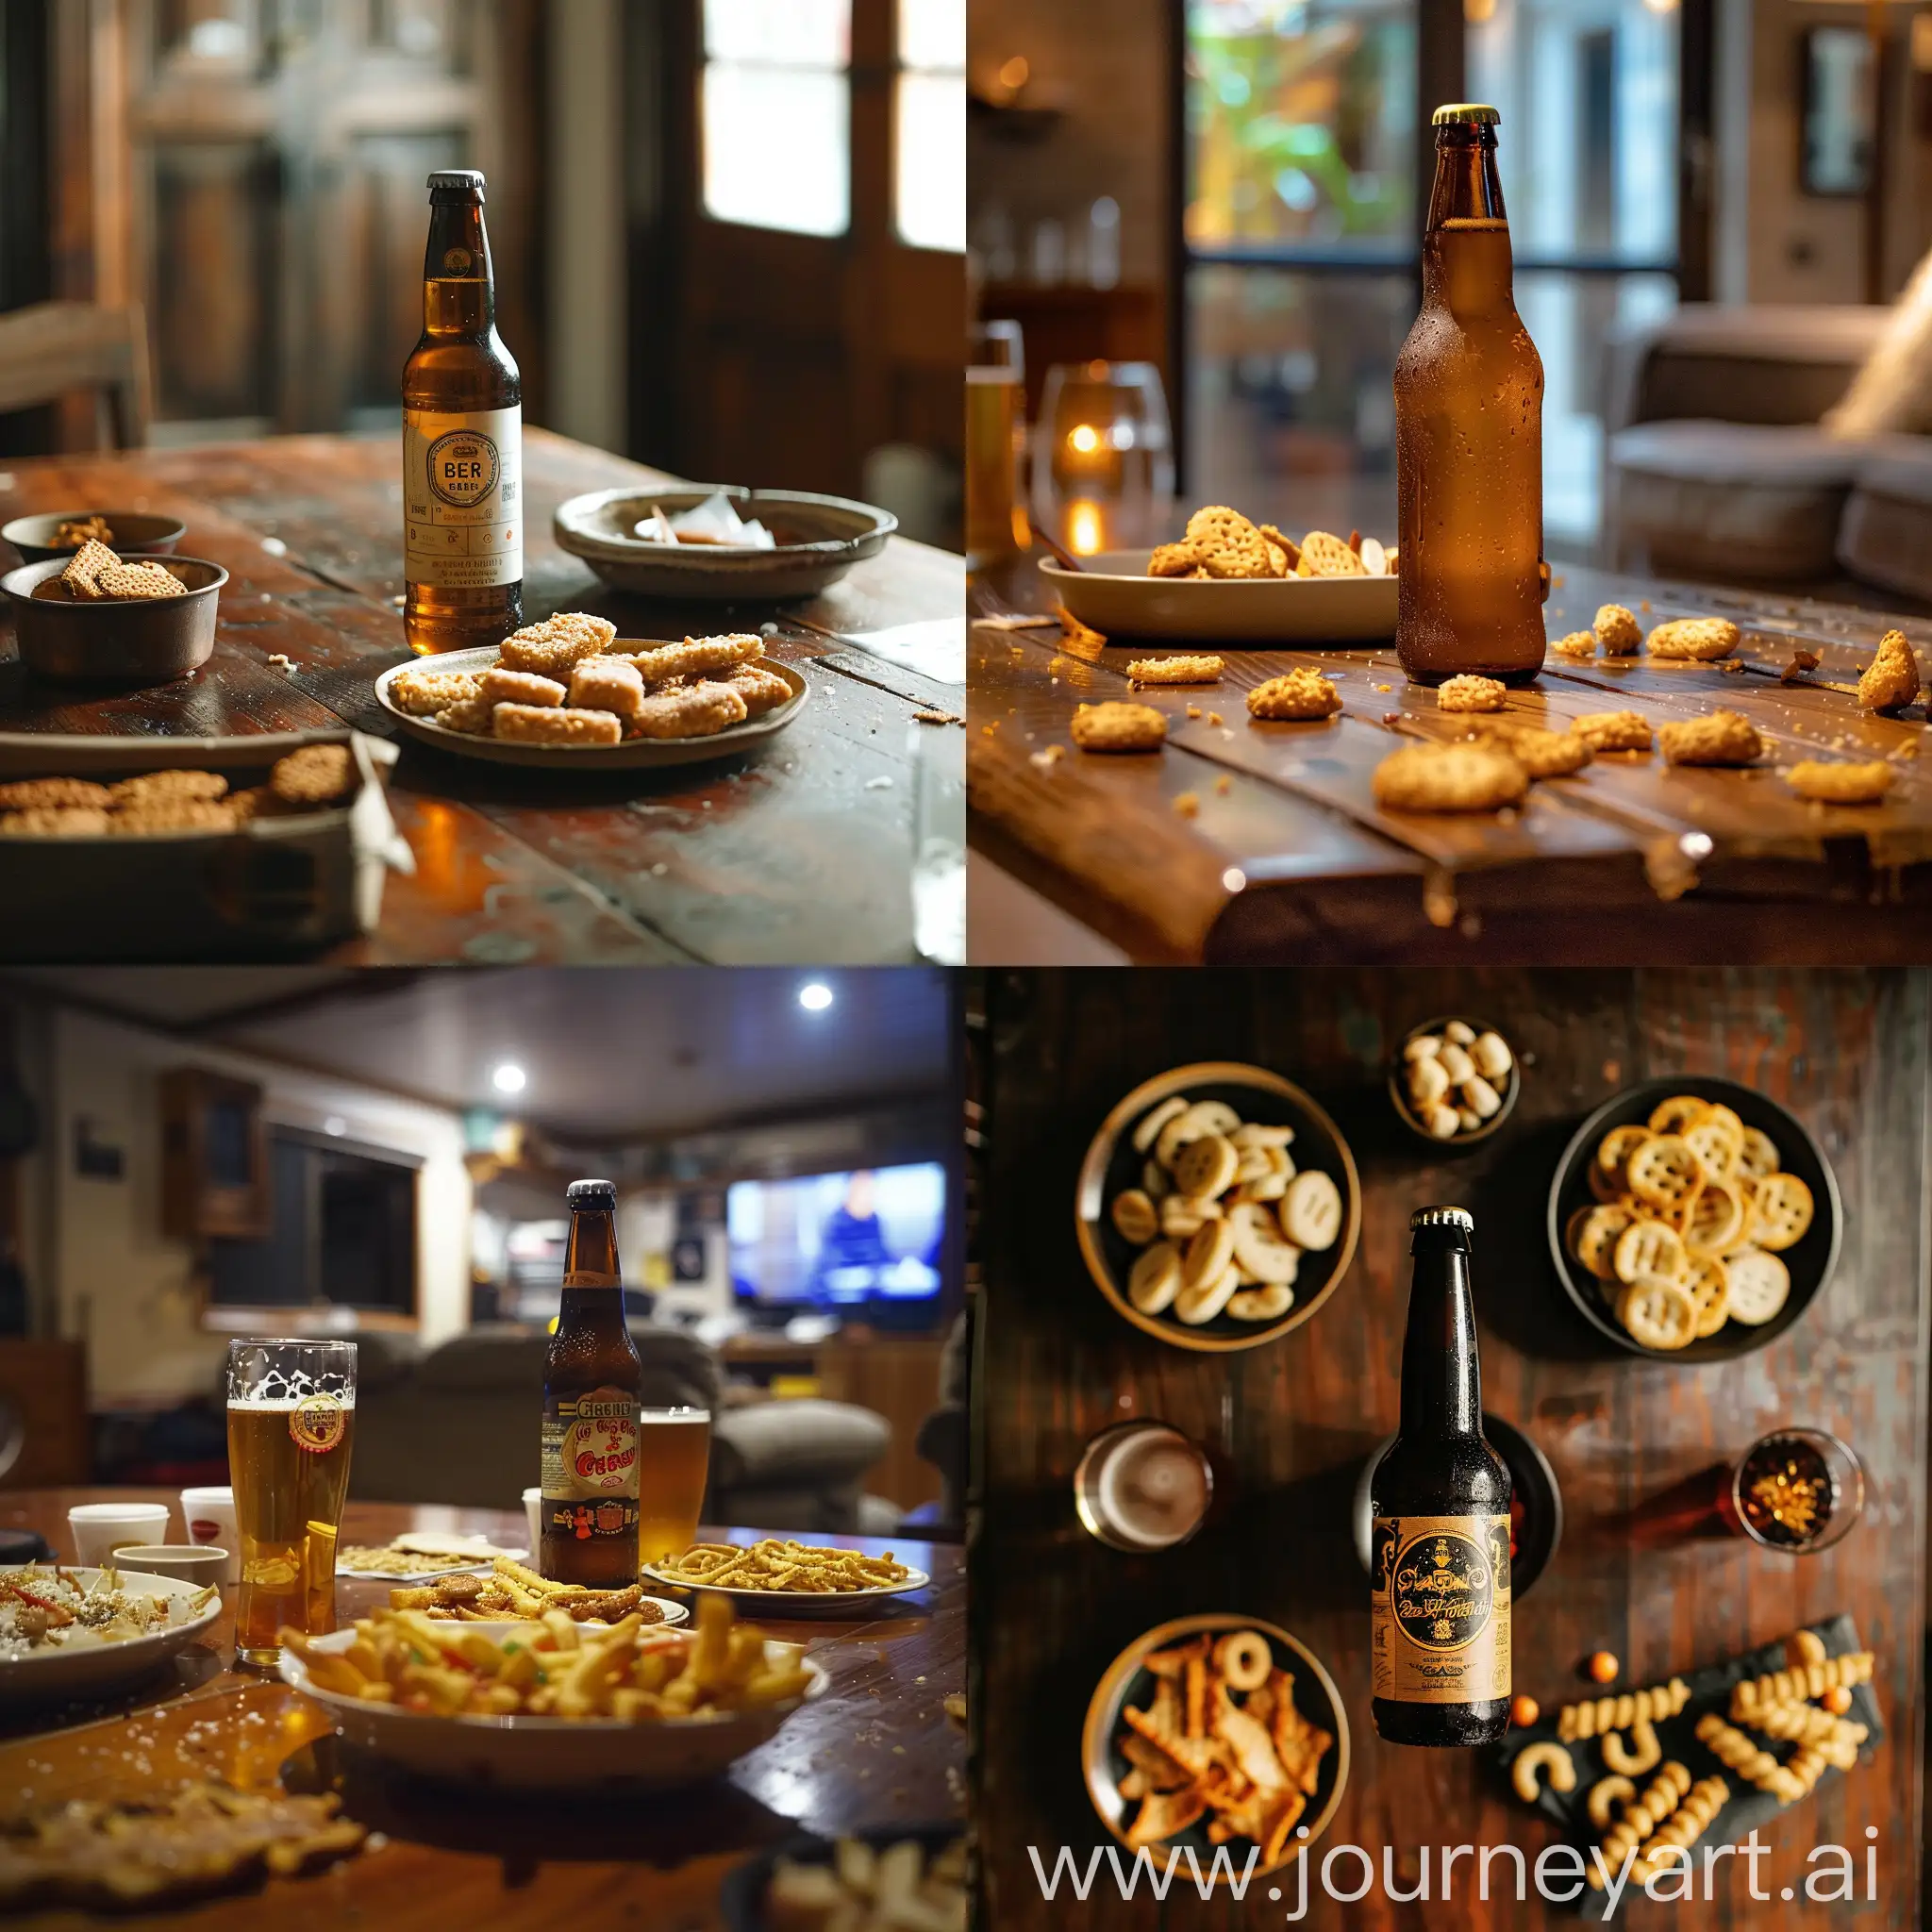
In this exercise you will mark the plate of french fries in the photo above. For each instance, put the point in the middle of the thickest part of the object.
(551, 1704)
(779, 1576)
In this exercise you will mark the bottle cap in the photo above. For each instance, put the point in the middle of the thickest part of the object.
(1453, 111)
(457, 183)
(1436, 1217)
(590, 1194)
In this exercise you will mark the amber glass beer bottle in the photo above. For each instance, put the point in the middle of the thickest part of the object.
(1469, 415)
(591, 1380)
(462, 441)
(1438, 1651)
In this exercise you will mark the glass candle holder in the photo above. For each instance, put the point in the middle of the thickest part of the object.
(1102, 455)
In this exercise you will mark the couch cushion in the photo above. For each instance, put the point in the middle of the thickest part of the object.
(1885, 534)
(801, 1444)
(1729, 500)
(383, 1356)
(1892, 393)
(492, 1355)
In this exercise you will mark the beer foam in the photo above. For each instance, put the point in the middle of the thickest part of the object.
(286, 1405)
(674, 1415)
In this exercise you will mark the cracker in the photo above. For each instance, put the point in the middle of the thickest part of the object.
(1327, 556)
(1297, 694)
(1839, 783)
(143, 580)
(550, 725)
(1201, 669)
(55, 822)
(607, 684)
(34, 794)
(422, 691)
(763, 691)
(697, 711)
(1114, 726)
(500, 687)
(1287, 552)
(1617, 630)
(152, 788)
(1577, 643)
(1174, 560)
(695, 657)
(1541, 754)
(174, 814)
(1722, 738)
(85, 566)
(1229, 545)
(1449, 778)
(552, 647)
(1467, 693)
(1613, 730)
(316, 775)
(1702, 639)
(1891, 680)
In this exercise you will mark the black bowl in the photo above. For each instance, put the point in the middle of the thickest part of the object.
(121, 640)
(136, 533)
(1811, 1262)
(742, 1894)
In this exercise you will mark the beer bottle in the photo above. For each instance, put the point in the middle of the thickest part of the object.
(1440, 1591)
(462, 441)
(1468, 413)
(591, 1385)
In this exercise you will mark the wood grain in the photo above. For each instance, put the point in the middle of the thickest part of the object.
(1290, 1424)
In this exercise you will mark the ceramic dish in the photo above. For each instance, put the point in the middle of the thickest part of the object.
(819, 539)
(136, 533)
(633, 754)
(89, 1670)
(1128, 1681)
(1113, 1165)
(797, 1602)
(742, 1894)
(1114, 596)
(457, 1566)
(1808, 1260)
(123, 640)
(1398, 1088)
(546, 1753)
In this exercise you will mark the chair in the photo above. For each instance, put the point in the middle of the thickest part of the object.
(52, 349)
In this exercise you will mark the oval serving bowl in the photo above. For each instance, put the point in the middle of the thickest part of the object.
(88, 1670)
(819, 539)
(1809, 1260)
(1113, 594)
(123, 640)
(1113, 1165)
(1128, 1680)
(137, 533)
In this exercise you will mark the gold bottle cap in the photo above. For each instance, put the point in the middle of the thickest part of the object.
(1442, 1217)
(1465, 111)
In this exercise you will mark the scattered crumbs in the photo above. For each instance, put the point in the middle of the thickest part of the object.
(1643, 603)
(1214, 717)
(1193, 710)
(1188, 804)
(1048, 757)
(1385, 689)
(1223, 784)
(988, 730)
(938, 718)
(881, 783)
(768, 630)
(277, 661)
(1734, 667)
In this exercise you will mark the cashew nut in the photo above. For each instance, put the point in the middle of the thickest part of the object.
(1544, 1756)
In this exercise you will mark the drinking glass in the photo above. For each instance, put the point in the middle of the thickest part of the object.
(291, 1425)
(674, 1454)
(1798, 1490)
(1102, 455)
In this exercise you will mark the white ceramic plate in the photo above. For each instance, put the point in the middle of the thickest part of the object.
(546, 1752)
(797, 1602)
(457, 1566)
(92, 1669)
(633, 754)
(1115, 596)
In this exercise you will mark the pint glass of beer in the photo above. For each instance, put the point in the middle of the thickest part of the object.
(673, 1451)
(292, 1424)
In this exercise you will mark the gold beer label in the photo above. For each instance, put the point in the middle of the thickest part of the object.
(590, 1470)
(458, 260)
(316, 1422)
(1440, 1610)
(463, 498)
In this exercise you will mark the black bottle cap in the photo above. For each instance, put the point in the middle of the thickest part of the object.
(590, 1194)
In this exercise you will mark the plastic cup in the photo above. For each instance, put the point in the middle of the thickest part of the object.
(533, 1526)
(210, 1514)
(97, 1527)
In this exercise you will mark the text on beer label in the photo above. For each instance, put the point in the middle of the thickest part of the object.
(1441, 1595)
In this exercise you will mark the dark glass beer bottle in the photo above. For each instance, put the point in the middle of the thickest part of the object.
(1439, 1603)
(591, 1385)
(462, 441)
(1469, 435)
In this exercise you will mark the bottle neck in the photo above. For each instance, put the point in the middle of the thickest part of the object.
(591, 1277)
(459, 284)
(1441, 1378)
(1466, 202)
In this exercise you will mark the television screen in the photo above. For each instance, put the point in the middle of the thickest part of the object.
(838, 1240)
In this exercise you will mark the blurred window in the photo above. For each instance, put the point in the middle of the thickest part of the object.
(777, 113)
(930, 125)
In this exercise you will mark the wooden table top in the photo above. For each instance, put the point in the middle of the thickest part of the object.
(875, 1749)
(1294, 1420)
(1287, 858)
(802, 852)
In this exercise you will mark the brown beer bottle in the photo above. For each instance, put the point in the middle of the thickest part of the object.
(1438, 1639)
(1469, 435)
(592, 1384)
(462, 441)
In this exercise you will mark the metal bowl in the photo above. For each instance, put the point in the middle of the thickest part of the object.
(115, 641)
(136, 533)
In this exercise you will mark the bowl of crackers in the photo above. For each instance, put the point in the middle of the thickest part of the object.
(1218, 1207)
(96, 617)
(62, 532)
(1216, 1732)
(1693, 1219)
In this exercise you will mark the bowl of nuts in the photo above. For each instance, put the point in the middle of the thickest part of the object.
(1454, 1080)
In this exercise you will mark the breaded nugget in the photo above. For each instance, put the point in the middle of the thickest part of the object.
(55, 822)
(152, 788)
(173, 814)
(500, 687)
(1617, 630)
(316, 775)
(475, 717)
(85, 566)
(1891, 680)
(1829, 783)
(1577, 643)
(31, 794)
(1723, 738)
(761, 689)
(607, 684)
(1470, 693)
(696, 710)
(422, 691)
(546, 724)
(694, 657)
(1449, 778)
(142, 579)
(552, 647)
(1541, 754)
(1297, 694)
(1614, 730)
(1701, 639)
(1115, 726)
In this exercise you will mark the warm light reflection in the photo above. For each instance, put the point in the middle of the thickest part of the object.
(1086, 531)
(1016, 72)
(1086, 439)
(1662, 5)
(1477, 11)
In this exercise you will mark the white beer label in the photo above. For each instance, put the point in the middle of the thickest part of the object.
(463, 498)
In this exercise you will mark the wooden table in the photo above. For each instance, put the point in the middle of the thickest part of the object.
(875, 1749)
(1287, 858)
(1848, 1053)
(802, 852)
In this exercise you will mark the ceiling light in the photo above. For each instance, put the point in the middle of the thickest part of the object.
(508, 1078)
(815, 996)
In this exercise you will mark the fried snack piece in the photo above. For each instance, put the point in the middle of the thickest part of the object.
(775, 1563)
(1617, 630)
(607, 684)
(693, 710)
(1297, 695)
(547, 725)
(1174, 560)
(55, 822)
(1114, 726)
(695, 657)
(154, 787)
(1449, 778)
(174, 814)
(85, 567)
(1327, 556)
(475, 716)
(72, 532)
(1891, 680)
(1832, 783)
(1723, 738)
(1701, 639)
(500, 687)
(1467, 693)
(1614, 730)
(1287, 552)
(316, 775)
(30, 794)
(761, 689)
(552, 647)
(1229, 545)
(1577, 643)
(422, 691)
(142, 579)
(1201, 669)
(1541, 754)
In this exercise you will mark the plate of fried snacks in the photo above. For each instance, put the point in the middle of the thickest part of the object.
(785, 1578)
(1213, 1732)
(512, 1592)
(70, 1633)
(899, 1878)
(420, 1552)
(1218, 1205)
(1643, 1780)
(551, 1702)
(1693, 1219)
(571, 692)
(1237, 582)
(165, 1846)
